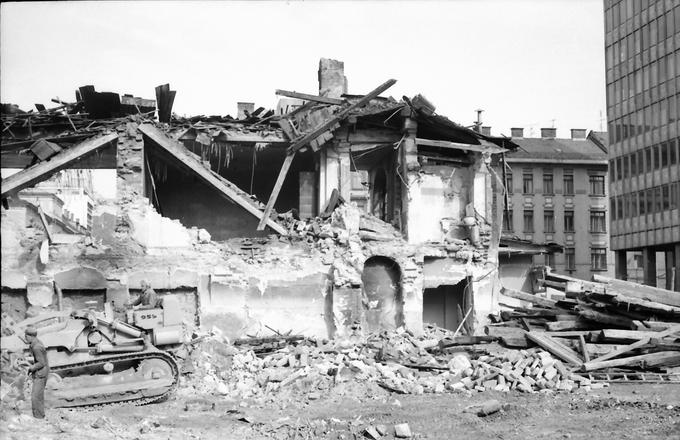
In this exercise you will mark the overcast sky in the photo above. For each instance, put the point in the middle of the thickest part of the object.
(526, 63)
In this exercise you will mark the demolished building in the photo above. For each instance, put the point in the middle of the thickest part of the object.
(342, 212)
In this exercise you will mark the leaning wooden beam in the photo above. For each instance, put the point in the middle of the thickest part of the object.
(179, 152)
(549, 344)
(306, 138)
(43, 170)
(661, 358)
(46, 225)
(287, 128)
(528, 297)
(640, 291)
(306, 97)
(342, 114)
(277, 188)
(634, 346)
(487, 147)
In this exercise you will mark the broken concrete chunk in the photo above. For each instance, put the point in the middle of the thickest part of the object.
(402, 430)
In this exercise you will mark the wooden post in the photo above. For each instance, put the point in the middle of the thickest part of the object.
(275, 192)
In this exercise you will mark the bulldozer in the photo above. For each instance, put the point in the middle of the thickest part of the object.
(99, 358)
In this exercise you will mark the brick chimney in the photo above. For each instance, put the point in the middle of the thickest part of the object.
(548, 133)
(332, 80)
(578, 133)
(517, 132)
(243, 107)
(486, 131)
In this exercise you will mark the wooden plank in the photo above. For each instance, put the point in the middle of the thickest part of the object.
(641, 291)
(625, 335)
(45, 224)
(569, 333)
(549, 344)
(275, 191)
(609, 320)
(570, 325)
(253, 137)
(584, 348)
(528, 297)
(315, 98)
(179, 152)
(661, 358)
(43, 170)
(502, 331)
(306, 138)
(636, 345)
(487, 147)
(646, 304)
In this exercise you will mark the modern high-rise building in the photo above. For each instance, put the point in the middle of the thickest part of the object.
(642, 47)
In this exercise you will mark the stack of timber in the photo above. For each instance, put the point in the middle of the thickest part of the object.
(605, 325)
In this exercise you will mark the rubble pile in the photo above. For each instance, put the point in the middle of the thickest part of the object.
(605, 325)
(395, 361)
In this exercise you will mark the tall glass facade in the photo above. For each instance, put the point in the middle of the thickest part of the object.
(642, 49)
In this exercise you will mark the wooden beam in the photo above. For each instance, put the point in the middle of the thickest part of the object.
(661, 358)
(237, 136)
(46, 225)
(549, 344)
(528, 297)
(277, 188)
(642, 342)
(486, 147)
(640, 291)
(306, 138)
(179, 152)
(584, 348)
(289, 130)
(43, 170)
(315, 98)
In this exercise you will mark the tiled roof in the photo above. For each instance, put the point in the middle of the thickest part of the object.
(557, 149)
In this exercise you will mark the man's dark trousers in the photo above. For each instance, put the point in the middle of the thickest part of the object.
(38, 397)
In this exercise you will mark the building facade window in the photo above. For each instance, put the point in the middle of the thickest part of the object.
(597, 222)
(507, 220)
(548, 183)
(550, 260)
(548, 222)
(598, 258)
(568, 184)
(527, 183)
(570, 258)
(568, 221)
(508, 182)
(528, 220)
(597, 185)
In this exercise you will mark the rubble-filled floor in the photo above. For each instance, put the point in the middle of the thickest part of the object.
(624, 411)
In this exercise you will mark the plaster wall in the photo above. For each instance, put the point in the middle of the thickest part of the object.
(436, 194)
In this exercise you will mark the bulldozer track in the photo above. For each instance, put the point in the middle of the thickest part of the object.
(131, 396)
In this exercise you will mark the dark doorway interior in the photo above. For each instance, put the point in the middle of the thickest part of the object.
(445, 305)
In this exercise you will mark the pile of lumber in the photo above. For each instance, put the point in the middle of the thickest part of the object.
(601, 325)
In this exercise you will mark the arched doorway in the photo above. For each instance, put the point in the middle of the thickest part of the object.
(381, 294)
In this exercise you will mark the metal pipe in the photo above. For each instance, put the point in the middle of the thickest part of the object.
(108, 348)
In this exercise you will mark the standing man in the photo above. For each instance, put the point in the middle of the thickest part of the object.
(39, 371)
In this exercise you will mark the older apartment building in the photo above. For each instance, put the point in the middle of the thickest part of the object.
(557, 192)
(642, 47)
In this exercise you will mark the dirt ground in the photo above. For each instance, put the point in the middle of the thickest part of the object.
(622, 411)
